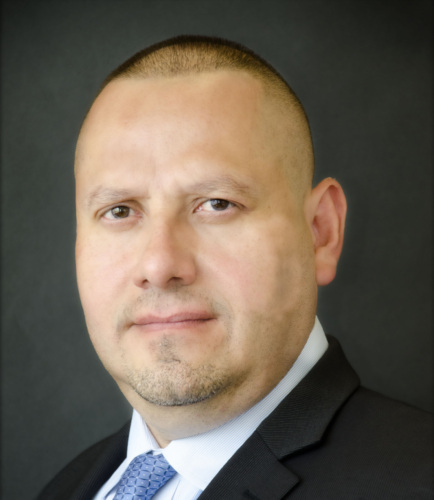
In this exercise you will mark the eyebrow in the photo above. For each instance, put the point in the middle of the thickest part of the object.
(106, 195)
(224, 183)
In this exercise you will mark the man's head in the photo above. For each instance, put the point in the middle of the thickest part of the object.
(200, 241)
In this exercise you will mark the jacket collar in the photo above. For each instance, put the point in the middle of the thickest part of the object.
(304, 415)
(298, 423)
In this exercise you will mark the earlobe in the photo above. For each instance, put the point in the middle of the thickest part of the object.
(328, 208)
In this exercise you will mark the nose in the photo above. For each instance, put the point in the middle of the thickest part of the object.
(165, 257)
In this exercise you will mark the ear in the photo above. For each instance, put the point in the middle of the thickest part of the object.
(326, 210)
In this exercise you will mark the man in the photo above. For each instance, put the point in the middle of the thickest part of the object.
(200, 247)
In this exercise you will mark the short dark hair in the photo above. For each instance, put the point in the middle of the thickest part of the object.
(194, 54)
(189, 54)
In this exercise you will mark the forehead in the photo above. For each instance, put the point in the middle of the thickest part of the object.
(224, 107)
(213, 93)
(172, 129)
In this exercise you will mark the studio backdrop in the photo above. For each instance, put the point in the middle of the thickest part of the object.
(363, 70)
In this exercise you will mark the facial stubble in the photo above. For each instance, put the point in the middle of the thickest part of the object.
(173, 381)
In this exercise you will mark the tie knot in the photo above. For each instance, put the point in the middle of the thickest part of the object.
(145, 475)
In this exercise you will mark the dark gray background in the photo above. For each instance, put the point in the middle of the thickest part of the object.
(363, 70)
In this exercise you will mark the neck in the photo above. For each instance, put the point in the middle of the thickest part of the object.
(169, 423)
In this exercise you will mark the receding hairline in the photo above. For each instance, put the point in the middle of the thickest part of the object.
(192, 54)
(189, 54)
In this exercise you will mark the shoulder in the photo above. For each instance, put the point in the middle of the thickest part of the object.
(83, 477)
(344, 441)
(336, 440)
(375, 447)
(370, 408)
(385, 425)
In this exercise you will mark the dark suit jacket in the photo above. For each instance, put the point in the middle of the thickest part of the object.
(328, 439)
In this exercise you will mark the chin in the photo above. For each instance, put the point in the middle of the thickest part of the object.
(179, 384)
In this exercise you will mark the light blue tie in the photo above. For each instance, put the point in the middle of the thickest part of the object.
(145, 475)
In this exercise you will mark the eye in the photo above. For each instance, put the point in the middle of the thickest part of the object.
(216, 205)
(119, 212)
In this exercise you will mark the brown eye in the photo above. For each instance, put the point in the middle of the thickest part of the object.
(120, 212)
(219, 204)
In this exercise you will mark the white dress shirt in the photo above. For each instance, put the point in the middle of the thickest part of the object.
(198, 459)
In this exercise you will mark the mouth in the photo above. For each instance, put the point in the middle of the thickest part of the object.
(176, 321)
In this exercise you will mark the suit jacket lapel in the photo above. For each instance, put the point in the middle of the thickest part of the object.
(106, 460)
(298, 423)
(246, 475)
(303, 416)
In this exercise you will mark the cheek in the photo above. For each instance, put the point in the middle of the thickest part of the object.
(101, 271)
(262, 271)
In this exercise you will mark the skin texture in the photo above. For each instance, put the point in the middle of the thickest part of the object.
(198, 259)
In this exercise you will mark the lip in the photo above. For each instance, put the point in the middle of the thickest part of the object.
(178, 320)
